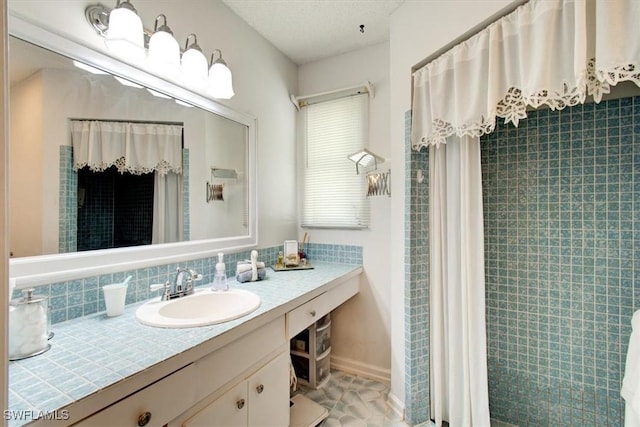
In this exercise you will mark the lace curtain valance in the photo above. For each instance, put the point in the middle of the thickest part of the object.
(137, 148)
(546, 52)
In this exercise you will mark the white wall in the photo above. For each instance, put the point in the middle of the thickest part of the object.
(26, 221)
(418, 29)
(361, 330)
(263, 78)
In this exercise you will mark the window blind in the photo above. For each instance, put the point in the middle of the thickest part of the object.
(334, 196)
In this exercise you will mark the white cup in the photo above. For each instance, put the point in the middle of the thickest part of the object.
(114, 298)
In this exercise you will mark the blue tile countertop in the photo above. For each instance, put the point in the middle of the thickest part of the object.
(93, 353)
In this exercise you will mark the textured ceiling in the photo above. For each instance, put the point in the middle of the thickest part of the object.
(308, 30)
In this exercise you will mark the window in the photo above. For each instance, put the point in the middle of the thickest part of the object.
(334, 196)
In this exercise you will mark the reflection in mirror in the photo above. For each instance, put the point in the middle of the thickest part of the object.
(76, 186)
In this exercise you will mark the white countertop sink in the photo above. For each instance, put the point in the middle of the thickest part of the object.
(204, 307)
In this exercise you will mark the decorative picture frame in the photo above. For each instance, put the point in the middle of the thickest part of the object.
(291, 257)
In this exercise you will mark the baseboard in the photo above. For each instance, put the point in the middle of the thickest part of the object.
(396, 405)
(360, 369)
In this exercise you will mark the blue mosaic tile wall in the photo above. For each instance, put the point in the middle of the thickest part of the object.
(562, 222)
(76, 298)
(416, 310)
(68, 218)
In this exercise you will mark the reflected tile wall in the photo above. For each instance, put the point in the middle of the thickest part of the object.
(562, 222)
(68, 199)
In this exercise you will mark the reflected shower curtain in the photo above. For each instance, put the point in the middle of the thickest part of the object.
(168, 212)
(458, 355)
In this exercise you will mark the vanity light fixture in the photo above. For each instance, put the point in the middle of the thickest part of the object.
(164, 51)
(220, 83)
(365, 159)
(194, 64)
(125, 36)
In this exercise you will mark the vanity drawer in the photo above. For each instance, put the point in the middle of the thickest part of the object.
(223, 365)
(160, 402)
(310, 312)
(301, 317)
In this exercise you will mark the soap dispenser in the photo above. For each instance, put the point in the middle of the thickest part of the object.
(220, 279)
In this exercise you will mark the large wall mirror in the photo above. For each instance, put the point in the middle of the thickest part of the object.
(182, 185)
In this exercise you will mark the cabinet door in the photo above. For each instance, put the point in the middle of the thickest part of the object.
(269, 394)
(230, 409)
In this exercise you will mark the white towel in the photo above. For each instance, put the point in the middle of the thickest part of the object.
(631, 381)
(243, 266)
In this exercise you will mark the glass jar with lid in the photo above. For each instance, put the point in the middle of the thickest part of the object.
(28, 326)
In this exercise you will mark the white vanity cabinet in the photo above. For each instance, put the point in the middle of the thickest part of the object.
(260, 400)
(238, 378)
(249, 361)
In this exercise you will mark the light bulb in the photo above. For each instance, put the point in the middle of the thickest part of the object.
(194, 68)
(164, 51)
(125, 36)
(220, 84)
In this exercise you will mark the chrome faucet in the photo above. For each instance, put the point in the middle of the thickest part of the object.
(179, 289)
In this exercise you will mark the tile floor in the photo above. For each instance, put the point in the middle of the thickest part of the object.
(358, 402)
(354, 401)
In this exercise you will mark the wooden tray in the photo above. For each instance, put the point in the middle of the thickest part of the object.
(307, 266)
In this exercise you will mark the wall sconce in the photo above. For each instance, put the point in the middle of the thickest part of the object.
(215, 188)
(126, 37)
(366, 160)
(220, 82)
(379, 184)
(164, 51)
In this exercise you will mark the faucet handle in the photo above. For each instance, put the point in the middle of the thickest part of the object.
(195, 276)
(156, 286)
(167, 289)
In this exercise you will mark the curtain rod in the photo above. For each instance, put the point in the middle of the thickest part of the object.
(472, 32)
(149, 122)
(301, 101)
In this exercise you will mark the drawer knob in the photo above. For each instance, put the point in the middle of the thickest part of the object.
(312, 313)
(240, 403)
(260, 388)
(144, 419)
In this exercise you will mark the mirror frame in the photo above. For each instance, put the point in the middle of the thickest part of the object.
(45, 269)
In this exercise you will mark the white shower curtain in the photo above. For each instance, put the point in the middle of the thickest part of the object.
(458, 357)
(167, 208)
(546, 52)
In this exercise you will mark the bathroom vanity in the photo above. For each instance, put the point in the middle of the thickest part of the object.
(234, 373)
